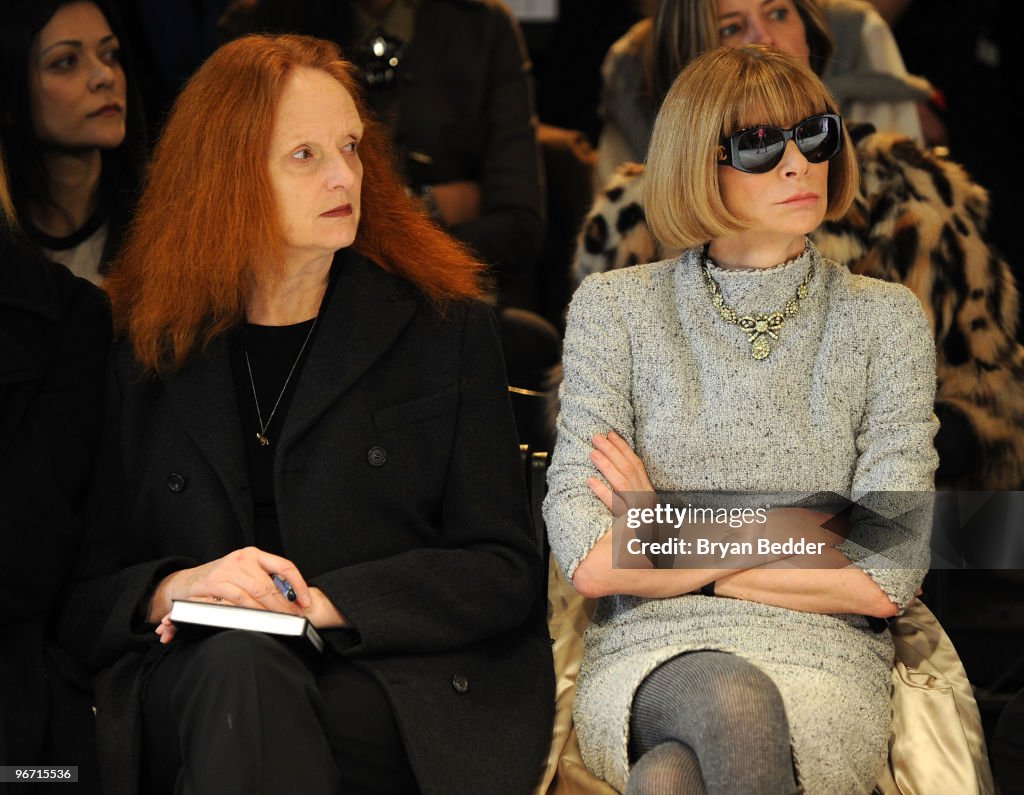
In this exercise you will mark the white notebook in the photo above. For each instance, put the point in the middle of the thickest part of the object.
(224, 616)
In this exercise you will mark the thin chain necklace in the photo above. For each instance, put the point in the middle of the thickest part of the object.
(760, 328)
(261, 435)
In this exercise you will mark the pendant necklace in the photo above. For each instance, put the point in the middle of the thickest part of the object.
(261, 435)
(760, 328)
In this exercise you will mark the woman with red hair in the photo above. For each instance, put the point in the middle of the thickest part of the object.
(305, 389)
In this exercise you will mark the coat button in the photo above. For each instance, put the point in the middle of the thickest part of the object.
(176, 483)
(377, 456)
(460, 684)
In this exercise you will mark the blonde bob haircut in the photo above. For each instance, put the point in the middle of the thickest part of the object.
(720, 92)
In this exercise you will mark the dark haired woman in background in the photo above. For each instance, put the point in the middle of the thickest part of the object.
(70, 131)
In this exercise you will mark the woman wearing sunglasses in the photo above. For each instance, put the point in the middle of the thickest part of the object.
(749, 364)
(919, 220)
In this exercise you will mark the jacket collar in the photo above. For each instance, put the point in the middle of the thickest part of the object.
(365, 311)
(431, 40)
(28, 284)
(203, 394)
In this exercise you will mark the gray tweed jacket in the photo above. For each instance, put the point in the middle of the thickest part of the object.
(843, 403)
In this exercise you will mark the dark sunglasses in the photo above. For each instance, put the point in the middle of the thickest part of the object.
(760, 149)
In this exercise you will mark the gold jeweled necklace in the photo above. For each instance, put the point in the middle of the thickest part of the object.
(762, 327)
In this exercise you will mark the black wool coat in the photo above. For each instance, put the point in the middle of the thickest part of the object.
(399, 494)
(54, 341)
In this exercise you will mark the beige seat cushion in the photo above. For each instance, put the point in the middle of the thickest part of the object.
(568, 617)
(937, 743)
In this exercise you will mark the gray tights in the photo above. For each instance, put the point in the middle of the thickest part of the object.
(709, 722)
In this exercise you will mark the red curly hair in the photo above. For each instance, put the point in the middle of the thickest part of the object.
(207, 224)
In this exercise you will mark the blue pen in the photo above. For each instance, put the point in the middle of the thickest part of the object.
(284, 587)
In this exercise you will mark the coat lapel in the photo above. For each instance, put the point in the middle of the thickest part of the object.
(431, 36)
(17, 363)
(364, 315)
(204, 397)
(26, 287)
(430, 46)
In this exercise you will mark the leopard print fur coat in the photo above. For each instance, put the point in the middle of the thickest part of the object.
(918, 220)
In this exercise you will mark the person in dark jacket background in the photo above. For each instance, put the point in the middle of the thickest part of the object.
(54, 340)
(451, 81)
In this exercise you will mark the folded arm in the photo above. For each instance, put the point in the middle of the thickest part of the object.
(817, 583)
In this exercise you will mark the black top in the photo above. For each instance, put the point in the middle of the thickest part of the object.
(272, 353)
(94, 222)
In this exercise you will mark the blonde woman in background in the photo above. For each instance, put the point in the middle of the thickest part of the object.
(845, 42)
